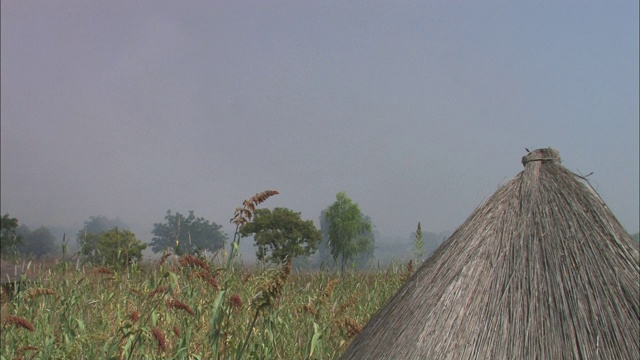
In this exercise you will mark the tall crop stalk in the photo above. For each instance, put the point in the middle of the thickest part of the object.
(241, 217)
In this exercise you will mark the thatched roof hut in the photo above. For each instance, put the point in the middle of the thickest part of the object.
(542, 270)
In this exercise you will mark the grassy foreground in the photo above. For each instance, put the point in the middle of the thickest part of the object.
(187, 308)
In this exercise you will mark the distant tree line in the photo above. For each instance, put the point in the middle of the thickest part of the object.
(18, 239)
(9, 238)
(346, 238)
(188, 234)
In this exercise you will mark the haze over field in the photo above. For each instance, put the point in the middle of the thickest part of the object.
(418, 110)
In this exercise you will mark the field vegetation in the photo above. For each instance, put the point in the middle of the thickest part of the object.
(194, 305)
(180, 308)
(189, 306)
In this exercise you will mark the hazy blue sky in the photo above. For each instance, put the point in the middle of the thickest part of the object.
(418, 110)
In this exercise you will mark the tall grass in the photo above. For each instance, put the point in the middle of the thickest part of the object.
(185, 307)
(167, 311)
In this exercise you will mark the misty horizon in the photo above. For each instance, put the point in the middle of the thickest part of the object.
(418, 111)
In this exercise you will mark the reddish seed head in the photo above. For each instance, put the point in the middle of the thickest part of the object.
(173, 303)
(176, 330)
(208, 278)
(190, 260)
(162, 344)
(135, 316)
(213, 282)
(159, 289)
(20, 322)
(24, 349)
(236, 301)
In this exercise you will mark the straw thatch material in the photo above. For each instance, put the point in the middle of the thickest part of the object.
(542, 270)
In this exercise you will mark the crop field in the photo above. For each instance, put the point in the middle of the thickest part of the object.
(190, 308)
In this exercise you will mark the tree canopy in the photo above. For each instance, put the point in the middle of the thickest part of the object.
(349, 232)
(118, 248)
(101, 223)
(89, 235)
(8, 233)
(281, 233)
(187, 234)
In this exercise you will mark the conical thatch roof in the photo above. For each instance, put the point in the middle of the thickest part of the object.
(542, 270)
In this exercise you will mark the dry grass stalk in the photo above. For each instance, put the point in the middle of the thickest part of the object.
(328, 291)
(406, 275)
(246, 277)
(272, 289)
(244, 214)
(350, 326)
(33, 293)
(137, 292)
(102, 271)
(352, 300)
(259, 198)
(310, 309)
(542, 270)
(163, 259)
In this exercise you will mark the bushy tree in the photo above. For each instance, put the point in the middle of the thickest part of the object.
(96, 225)
(36, 243)
(349, 232)
(186, 234)
(118, 248)
(9, 238)
(281, 234)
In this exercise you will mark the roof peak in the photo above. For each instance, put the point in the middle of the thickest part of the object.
(544, 155)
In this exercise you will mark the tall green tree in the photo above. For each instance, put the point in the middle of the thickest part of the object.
(186, 234)
(281, 234)
(8, 235)
(348, 230)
